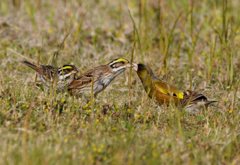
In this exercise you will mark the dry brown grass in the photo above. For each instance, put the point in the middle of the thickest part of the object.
(194, 45)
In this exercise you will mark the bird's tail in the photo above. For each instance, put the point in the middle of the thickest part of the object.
(31, 65)
(210, 102)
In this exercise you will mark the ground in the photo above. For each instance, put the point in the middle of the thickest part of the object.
(190, 44)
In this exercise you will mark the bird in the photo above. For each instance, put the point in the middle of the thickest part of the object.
(164, 93)
(51, 76)
(97, 79)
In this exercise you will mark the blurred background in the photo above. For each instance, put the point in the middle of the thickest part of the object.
(191, 44)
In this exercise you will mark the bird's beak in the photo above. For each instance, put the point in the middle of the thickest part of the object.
(135, 66)
(128, 65)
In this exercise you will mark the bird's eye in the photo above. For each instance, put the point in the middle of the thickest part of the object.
(174, 94)
(65, 70)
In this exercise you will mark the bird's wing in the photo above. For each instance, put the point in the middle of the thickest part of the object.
(80, 82)
(49, 72)
(85, 79)
(167, 89)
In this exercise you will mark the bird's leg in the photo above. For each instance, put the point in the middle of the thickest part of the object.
(90, 102)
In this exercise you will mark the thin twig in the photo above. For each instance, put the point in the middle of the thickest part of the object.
(60, 48)
(19, 54)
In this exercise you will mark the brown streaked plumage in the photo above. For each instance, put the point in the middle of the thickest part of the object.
(98, 78)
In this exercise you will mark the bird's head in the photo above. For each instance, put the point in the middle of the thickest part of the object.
(119, 65)
(66, 71)
(142, 70)
(146, 76)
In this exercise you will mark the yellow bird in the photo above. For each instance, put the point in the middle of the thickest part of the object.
(164, 93)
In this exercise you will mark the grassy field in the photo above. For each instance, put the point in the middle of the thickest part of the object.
(191, 44)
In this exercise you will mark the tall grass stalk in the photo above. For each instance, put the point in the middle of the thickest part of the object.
(31, 11)
(226, 42)
(140, 11)
(136, 38)
(160, 18)
(137, 35)
(224, 21)
(92, 102)
(25, 136)
(54, 60)
(169, 41)
(192, 49)
(191, 16)
(210, 59)
(16, 3)
(38, 62)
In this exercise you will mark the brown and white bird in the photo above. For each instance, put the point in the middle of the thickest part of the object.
(164, 93)
(97, 79)
(50, 76)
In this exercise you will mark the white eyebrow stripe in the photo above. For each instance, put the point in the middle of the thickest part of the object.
(117, 61)
(64, 76)
(118, 68)
(112, 63)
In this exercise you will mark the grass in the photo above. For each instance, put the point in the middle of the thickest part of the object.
(191, 44)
